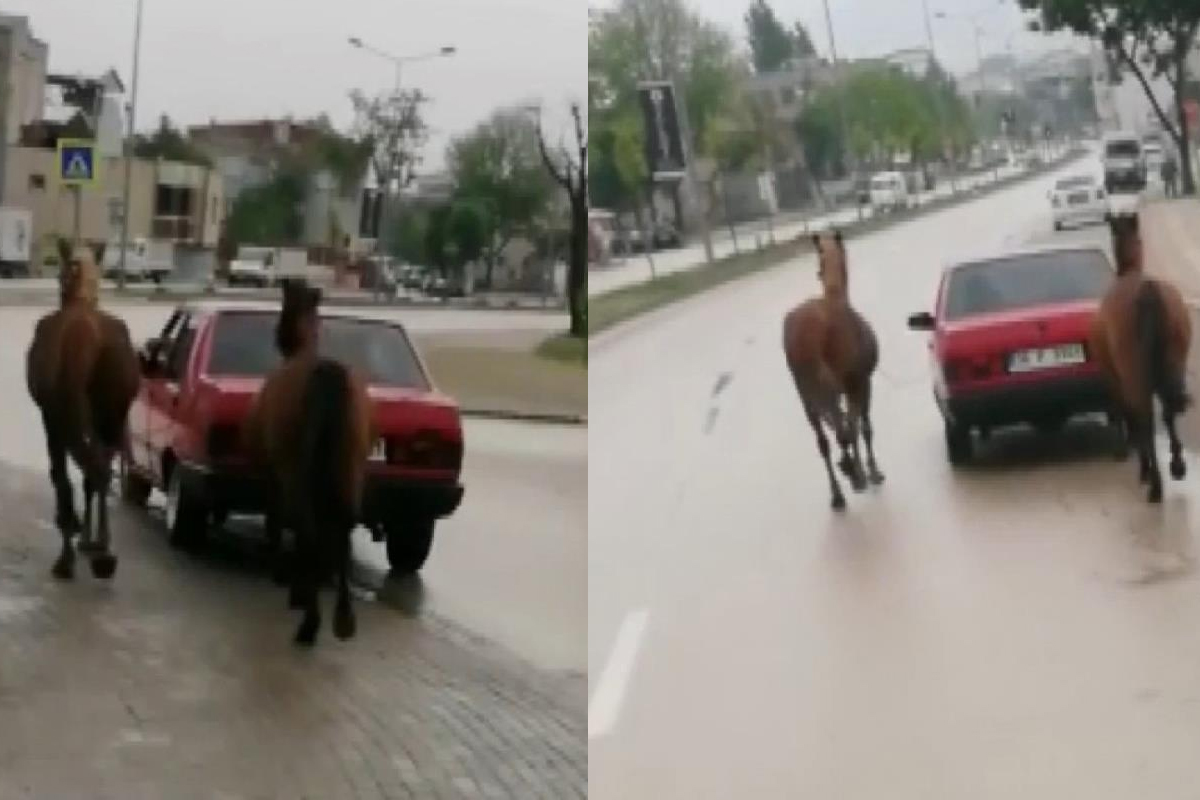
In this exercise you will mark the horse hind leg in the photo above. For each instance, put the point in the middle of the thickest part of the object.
(1150, 471)
(104, 563)
(345, 625)
(1178, 465)
(868, 434)
(65, 517)
(306, 579)
(838, 500)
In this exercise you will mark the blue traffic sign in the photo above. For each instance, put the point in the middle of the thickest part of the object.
(76, 161)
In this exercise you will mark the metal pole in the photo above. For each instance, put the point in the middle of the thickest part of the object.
(77, 202)
(937, 99)
(6, 44)
(841, 100)
(137, 46)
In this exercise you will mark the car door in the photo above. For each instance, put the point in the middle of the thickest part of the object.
(143, 449)
(165, 388)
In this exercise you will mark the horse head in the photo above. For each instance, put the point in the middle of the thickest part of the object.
(79, 276)
(1127, 242)
(296, 327)
(831, 262)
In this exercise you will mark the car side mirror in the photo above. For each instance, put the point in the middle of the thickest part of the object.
(921, 321)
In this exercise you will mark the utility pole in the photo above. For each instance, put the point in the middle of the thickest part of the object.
(137, 48)
(6, 49)
(943, 134)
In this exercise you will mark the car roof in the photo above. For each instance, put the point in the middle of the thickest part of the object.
(1075, 176)
(1032, 250)
(212, 308)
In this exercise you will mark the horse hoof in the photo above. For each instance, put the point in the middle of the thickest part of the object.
(846, 466)
(63, 570)
(839, 503)
(104, 566)
(1178, 470)
(306, 634)
(1155, 495)
(859, 484)
(877, 478)
(344, 624)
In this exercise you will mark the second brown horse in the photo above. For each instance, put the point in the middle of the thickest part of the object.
(1140, 337)
(832, 353)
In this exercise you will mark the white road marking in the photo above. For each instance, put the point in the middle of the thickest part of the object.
(605, 705)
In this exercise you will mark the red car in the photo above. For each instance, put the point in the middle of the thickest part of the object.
(1010, 342)
(200, 376)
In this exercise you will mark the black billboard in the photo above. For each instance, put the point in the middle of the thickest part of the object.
(664, 137)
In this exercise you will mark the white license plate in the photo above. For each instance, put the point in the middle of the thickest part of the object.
(1046, 358)
(379, 450)
(1078, 199)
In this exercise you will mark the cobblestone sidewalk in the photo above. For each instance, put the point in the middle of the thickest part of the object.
(179, 681)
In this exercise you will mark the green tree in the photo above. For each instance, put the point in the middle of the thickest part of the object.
(802, 43)
(497, 166)
(169, 144)
(1147, 39)
(771, 44)
(408, 240)
(271, 214)
(469, 229)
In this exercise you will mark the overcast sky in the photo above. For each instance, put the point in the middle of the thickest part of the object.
(248, 59)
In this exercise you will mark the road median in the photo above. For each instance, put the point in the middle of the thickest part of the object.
(612, 308)
(501, 375)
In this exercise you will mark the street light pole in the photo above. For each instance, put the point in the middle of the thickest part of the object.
(137, 47)
(937, 98)
(841, 100)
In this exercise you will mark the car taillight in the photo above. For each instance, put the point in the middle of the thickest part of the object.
(425, 451)
(961, 370)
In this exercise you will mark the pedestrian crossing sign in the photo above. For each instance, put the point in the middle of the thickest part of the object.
(76, 162)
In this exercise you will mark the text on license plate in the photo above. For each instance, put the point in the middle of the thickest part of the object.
(1046, 358)
(1078, 198)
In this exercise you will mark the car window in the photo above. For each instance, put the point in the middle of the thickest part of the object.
(1026, 281)
(180, 349)
(1123, 149)
(244, 346)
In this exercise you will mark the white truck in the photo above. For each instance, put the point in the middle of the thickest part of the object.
(266, 266)
(146, 259)
(16, 241)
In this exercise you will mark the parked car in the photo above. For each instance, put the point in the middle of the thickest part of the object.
(1009, 342)
(201, 374)
(144, 260)
(252, 267)
(1076, 199)
(889, 191)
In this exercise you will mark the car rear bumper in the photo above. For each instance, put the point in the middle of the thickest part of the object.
(1016, 403)
(385, 497)
(1086, 212)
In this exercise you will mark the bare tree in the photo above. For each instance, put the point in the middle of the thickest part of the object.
(568, 167)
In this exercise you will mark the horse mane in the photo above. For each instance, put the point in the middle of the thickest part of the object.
(1126, 233)
(831, 264)
(79, 275)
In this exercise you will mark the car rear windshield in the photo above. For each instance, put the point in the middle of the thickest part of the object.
(1124, 149)
(244, 346)
(1079, 182)
(1026, 281)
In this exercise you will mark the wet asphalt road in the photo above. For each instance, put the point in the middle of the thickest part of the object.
(1024, 628)
(524, 505)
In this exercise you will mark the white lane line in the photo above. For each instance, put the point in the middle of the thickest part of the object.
(605, 705)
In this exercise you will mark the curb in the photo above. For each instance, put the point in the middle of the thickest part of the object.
(574, 420)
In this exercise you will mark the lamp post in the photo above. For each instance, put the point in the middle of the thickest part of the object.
(841, 100)
(398, 62)
(137, 48)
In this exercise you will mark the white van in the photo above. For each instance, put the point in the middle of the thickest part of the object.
(889, 191)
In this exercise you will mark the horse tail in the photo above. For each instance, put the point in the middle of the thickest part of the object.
(1152, 336)
(324, 432)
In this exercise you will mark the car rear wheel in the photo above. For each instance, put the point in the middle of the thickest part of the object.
(135, 490)
(408, 544)
(187, 518)
(959, 447)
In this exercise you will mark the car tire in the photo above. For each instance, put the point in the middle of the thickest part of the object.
(408, 544)
(187, 518)
(959, 446)
(135, 490)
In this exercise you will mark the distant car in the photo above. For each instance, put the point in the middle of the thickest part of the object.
(1124, 163)
(1009, 342)
(889, 191)
(1077, 199)
(200, 376)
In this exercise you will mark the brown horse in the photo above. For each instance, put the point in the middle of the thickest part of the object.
(310, 428)
(82, 372)
(832, 353)
(1140, 337)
